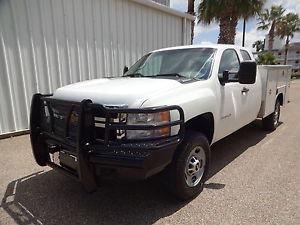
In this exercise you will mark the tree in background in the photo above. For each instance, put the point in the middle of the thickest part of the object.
(258, 45)
(287, 27)
(191, 10)
(266, 58)
(269, 20)
(227, 13)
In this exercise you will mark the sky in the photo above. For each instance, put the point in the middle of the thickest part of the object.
(209, 34)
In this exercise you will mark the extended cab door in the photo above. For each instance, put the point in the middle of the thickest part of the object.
(250, 96)
(239, 103)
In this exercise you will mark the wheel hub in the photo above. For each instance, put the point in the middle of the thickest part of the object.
(195, 166)
(276, 114)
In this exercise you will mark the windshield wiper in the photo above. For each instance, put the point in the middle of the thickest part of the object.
(157, 75)
(169, 75)
(177, 75)
(133, 75)
(174, 75)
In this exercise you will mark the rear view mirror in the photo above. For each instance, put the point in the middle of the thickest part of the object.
(247, 72)
(125, 69)
(224, 77)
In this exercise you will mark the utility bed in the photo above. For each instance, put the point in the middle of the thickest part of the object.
(275, 82)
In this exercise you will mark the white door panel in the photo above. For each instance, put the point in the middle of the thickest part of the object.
(229, 108)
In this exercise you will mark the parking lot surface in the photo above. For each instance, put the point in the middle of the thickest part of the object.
(254, 179)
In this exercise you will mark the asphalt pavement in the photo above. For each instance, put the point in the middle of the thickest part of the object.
(254, 179)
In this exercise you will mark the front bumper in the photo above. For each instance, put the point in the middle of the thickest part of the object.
(91, 151)
(140, 164)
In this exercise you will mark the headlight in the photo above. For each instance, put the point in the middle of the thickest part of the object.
(148, 119)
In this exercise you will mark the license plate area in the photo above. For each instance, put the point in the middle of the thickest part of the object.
(68, 160)
(65, 159)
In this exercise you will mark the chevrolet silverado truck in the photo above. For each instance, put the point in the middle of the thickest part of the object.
(160, 117)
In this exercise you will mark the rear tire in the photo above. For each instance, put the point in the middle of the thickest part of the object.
(188, 171)
(271, 122)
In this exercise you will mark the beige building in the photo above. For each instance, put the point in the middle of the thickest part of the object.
(293, 57)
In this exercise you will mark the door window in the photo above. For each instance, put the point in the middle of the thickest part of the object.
(230, 62)
(245, 55)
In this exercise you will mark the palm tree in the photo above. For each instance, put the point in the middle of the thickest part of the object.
(287, 27)
(259, 45)
(191, 10)
(269, 19)
(227, 13)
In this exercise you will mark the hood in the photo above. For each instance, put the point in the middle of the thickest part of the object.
(124, 91)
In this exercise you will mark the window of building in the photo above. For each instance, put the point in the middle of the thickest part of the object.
(297, 61)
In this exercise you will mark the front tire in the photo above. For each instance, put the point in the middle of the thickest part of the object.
(271, 122)
(187, 173)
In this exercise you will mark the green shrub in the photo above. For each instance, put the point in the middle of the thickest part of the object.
(266, 58)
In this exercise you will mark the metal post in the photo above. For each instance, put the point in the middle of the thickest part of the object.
(244, 31)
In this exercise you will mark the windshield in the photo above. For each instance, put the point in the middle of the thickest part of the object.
(194, 63)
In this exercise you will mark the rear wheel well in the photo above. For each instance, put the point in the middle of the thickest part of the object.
(280, 98)
(203, 123)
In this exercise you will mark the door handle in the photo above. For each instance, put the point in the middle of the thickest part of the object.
(245, 90)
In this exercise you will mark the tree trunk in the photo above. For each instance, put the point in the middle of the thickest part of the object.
(286, 48)
(224, 35)
(233, 24)
(228, 22)
(191, 10)
(271, 36)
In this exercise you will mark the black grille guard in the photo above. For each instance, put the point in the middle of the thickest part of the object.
(84, 144)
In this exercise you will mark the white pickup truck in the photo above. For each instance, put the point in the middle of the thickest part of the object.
(161, 116)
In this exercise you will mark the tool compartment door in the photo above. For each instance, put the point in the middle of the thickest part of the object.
(271, 87)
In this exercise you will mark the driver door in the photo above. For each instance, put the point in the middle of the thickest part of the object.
(230, 94)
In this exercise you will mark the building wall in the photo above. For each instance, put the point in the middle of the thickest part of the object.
(293, 57)
(48, 44)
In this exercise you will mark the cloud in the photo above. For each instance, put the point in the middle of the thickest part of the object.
(209, 33)
(206, 43)
(200, 28)
(290, 5)
(180, 5)
(250, 37)
(254, 35)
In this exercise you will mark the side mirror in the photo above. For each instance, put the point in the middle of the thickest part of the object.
(247, 72)
(224, 77)
(125, 69)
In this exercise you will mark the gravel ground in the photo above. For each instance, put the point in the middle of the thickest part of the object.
(254, 180)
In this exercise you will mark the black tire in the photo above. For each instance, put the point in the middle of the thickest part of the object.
(39, 147)
(175, 175)
(39, 150)
(271, 122)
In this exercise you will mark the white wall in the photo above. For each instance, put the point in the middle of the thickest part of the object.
(45, 44)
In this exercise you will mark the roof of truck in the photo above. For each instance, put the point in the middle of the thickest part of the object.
(217, 46)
